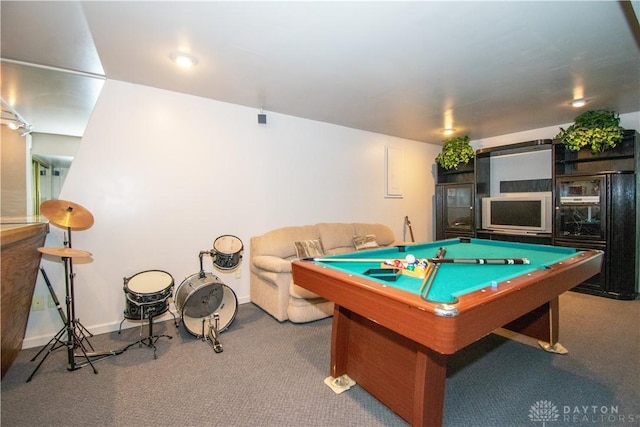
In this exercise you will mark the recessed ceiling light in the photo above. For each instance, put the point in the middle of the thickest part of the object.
(448, 131)
(183, 60)
(577, 103)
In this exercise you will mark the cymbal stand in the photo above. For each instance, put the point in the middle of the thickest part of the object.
(79, 327)
(73, 340)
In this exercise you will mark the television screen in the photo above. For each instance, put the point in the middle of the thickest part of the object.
(523, 213)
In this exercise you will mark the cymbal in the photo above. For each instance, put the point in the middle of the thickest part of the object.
(64, 252)
(66, 214)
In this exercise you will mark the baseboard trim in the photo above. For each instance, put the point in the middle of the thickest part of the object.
(104, 328)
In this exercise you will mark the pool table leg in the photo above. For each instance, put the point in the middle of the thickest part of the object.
(407, 377)
(428, 398)
(339, 342)
(553, 346)
(542, 324)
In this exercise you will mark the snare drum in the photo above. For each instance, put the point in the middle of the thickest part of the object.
(227, 252)
(147, 294)
(145, 311)
(199, 298)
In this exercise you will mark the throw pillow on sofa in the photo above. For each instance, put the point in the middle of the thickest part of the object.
(365, 242)
(309, 248)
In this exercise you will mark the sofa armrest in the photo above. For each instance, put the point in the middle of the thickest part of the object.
(272, 263)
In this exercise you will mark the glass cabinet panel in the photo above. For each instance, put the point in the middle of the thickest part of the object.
(580, 208)
(458, 207)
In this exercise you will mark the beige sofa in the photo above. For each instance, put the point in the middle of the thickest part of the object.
(271, 285)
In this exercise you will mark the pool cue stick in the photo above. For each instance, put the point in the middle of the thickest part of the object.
(347, 259)
(428, 280)
(427, 274)
(494, 261)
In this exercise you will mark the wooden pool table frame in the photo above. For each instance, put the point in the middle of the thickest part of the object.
(394, 345)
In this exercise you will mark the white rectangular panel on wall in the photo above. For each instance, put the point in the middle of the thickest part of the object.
(394, 159)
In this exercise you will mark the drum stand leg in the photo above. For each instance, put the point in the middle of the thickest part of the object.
(81, 331)
(149, 341)
(71, 325)
(53, 296)
(175, 319)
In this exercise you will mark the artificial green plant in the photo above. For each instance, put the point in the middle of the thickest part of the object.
(455, 151)
(598, 129)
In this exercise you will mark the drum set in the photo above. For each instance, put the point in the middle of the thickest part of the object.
(206, 305)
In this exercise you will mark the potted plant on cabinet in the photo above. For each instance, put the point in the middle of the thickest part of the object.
(599, 130)
(455, 151)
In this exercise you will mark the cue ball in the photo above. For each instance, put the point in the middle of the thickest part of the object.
(410, 259)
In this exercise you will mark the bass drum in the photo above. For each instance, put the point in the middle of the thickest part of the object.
(199, 298)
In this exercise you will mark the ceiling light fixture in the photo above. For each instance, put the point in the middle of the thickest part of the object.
(13, 120)
(26, 130)
(17, 125)
(448, 131)
(579, 102)
(183, 60)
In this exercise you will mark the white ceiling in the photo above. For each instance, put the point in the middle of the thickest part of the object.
(397, 68)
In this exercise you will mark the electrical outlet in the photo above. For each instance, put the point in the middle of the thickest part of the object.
(50, 302)
(37, 303)
(238, 274)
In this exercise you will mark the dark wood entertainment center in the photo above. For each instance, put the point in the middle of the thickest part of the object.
(595, 206)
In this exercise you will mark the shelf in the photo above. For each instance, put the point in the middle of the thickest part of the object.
(540, 239)
(623, 157)
(465, 173)
(521, 147)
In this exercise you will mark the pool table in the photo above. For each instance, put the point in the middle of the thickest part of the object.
(394, 342)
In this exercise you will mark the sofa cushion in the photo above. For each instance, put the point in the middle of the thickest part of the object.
(299, 292)
(308, 248)
(271, 263)
(279, 242)
(336, 237)
(384, 235)
(303, 310)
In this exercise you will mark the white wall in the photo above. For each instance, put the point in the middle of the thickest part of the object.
(164, 174)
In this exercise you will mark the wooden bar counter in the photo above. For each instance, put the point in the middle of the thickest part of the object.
(20, 239)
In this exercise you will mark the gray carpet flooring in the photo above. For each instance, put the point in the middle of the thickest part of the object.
(271, 374)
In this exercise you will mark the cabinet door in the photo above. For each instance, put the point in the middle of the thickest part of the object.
(454, 210)
(581, 208)
(622, 236)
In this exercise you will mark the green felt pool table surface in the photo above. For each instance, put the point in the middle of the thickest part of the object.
(454, 280)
